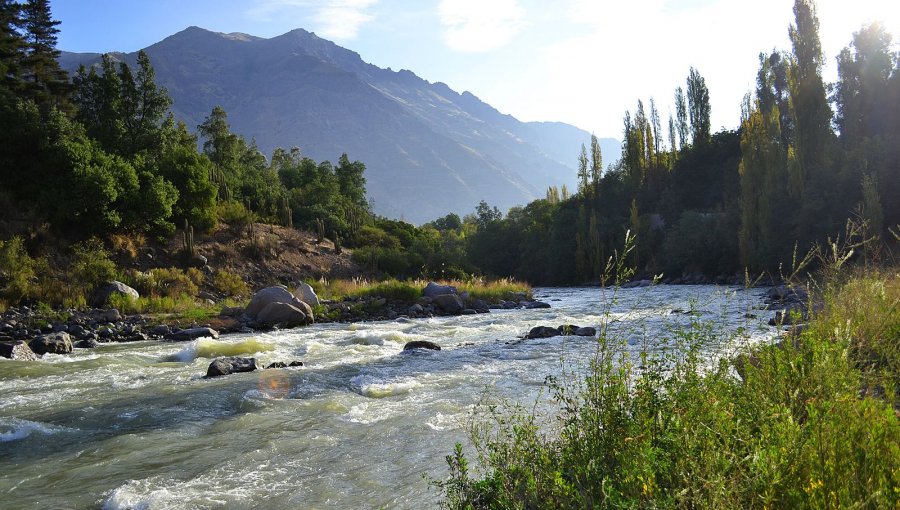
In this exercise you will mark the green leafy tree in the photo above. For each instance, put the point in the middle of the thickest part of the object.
(698, 107)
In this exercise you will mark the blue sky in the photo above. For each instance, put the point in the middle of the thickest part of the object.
(584, 62)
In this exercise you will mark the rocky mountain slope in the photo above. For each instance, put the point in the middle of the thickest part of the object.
(428, 149)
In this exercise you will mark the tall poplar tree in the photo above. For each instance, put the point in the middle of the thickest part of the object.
(681, 113)
(698, 107)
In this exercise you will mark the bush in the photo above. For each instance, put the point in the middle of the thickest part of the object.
(171, 282)
(91, 266)
(234, 214)
(665, 430)
(17, 269)
(230, 284)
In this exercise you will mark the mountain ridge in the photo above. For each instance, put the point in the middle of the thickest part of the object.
(429, 150)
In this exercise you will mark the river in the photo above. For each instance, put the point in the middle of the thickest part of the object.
(137, 426)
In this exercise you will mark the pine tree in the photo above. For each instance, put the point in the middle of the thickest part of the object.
(46, 83)
(11, 44)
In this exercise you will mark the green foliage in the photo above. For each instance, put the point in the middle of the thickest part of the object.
(230, 284)
(660, 430)
(17, 270)
(90, 266)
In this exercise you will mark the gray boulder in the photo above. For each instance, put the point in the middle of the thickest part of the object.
(111, 315)
(415, 309)
(101, 294)
(56, 343)
(264, 297)
(542, 332)
(586, 331)
(433, 289)
(231, 365)
(17, 350)
(421, 344)
(304, 292)
(185, 335)
(89, 343)
(449, 303)
(532, 305)
(282, 314)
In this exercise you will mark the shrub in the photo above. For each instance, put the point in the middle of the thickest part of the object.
(233, 213)
(17, 269)
(230, 284)
(91, 266)
(171, 282)
(663, 429)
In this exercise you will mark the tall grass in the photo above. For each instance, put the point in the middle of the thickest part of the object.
(411, 290)
(811, 423)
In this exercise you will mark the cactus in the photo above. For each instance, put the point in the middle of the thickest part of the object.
(337, 244)
(187, 240)
(287, 215)
(320, 230)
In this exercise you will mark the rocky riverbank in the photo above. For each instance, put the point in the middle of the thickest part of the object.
(27, 333)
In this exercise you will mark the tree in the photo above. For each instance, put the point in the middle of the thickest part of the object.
(144, 106)
(596, 162)
(11, 44)
(584, 175)
(698, 107)
(46, 83)
(681, 113)
(657, 128)
(351, 181)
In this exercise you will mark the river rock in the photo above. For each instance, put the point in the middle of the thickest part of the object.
(421, 344)
(88, 343)
(449, 303)
(101, 295)
(586, 331)
(532, 305)
(160, 331)
(17, 350)
(415, 310)
(264, 297)
(304, 292)
(542, 332)
(184, 335)
(56, 343)
(231, 365)
(283, 314)
(111, 315)
(637, 283)
(434, 289)
(277, 364)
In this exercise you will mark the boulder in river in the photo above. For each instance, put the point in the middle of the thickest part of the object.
(304, 292)
(231, 365)
(449, 303)
(282, 314)
(17, 350)
(532, 305)
(276, 294)
(185, 335)
(56, 343)
(421, 344)
(542, 332)
(434, 289)
(585, 331)
(101, 295)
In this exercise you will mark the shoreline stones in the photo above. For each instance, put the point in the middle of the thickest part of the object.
(17, 350)
(276, 306)
(56, 343)
(101, 294)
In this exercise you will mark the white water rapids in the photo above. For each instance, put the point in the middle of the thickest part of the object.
(136, 426)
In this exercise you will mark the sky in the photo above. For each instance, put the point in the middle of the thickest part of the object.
(584, 62)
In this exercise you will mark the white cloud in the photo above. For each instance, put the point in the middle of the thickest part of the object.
(332, 19)
(475, 26)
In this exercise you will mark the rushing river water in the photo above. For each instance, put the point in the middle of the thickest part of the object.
(136, 425)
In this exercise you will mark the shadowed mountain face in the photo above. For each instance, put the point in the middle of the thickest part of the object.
(428, 150)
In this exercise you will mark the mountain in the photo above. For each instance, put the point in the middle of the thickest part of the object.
(428, 150)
